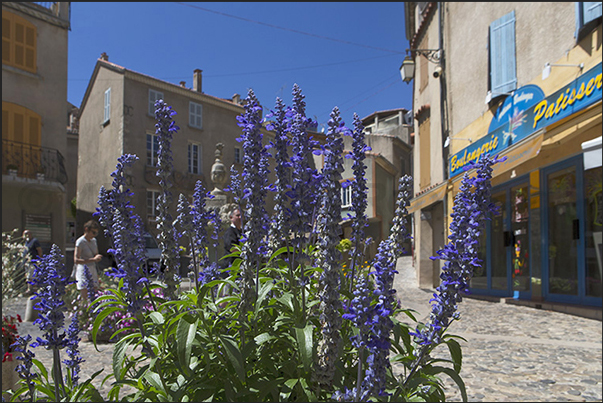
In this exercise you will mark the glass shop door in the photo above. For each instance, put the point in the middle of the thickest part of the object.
(505, 247)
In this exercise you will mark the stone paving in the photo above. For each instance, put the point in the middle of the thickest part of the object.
(512, 353)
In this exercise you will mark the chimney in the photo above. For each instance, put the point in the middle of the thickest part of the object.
(183, 84)
(236, 99)
(197, 80)
(104, 57)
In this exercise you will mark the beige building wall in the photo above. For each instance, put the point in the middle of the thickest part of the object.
(542, 33)
(127, 129)
(43, 91)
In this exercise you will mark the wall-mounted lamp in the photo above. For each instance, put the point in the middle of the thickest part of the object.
(546, 72)
(490, 95)
(447, 142)
(407, 69)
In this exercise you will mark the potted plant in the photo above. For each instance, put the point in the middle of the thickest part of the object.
(10, 378)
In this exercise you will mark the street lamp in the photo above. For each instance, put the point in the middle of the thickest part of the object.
(407, 69)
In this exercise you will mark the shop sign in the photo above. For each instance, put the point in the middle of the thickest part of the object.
(526, 112)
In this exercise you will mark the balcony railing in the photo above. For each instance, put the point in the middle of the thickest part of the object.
(29, 161)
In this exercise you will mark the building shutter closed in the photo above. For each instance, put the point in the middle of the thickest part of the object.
(503, 76)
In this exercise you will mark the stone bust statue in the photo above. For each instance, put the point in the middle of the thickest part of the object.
(218, 172)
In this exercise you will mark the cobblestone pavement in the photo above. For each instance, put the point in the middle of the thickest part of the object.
(517, 353)
(512, 353)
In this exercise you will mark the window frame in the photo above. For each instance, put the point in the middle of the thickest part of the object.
(154, 95)
(152, 153)
(107, 107)
(346, 195)
(10, 42)
(152, 197)
(27, 131)
(190, 163)
(195, 115)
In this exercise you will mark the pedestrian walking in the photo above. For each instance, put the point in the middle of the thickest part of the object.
(86, 254)
(32, 251)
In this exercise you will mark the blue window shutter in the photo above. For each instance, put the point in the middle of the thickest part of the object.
(503, 74)
(591, 10)
(586, 11)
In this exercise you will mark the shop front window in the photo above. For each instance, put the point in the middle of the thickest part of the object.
(563, 232)
(500, 241)
(593, 197)
(520, 259)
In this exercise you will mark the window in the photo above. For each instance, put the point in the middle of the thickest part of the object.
(20, 124)
(424, 151)
(503, 75)
(195, 112)
(346, 196)
(152, 202)
(107, 115)
(194, 158)
(587, 13)
(152, 149)
(153, 96)
(18, 42)
(238, 155)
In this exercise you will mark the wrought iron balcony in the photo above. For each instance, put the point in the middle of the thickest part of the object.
(29, 161)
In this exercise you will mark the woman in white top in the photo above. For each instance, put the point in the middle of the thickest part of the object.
(86, 253)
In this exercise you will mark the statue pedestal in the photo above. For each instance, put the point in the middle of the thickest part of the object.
(216, 203)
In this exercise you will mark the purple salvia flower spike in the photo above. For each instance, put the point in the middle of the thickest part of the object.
(165, 128)
(328, 255)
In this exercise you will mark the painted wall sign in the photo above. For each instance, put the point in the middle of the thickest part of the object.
(526, 112)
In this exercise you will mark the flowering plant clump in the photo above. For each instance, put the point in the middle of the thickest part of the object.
(284, 322)
(9, 336)
(14, 263)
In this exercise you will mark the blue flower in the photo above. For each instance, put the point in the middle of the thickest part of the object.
(470, 211)
(27, 356)
(254, 189)
(374, 319)
(328, 230)
(359, 196)
(124, 228)
(305, 180)
(75, 359)
(279, 228)
(50, 278)
(165, 128)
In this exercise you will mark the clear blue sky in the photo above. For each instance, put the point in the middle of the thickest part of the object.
(341, 54)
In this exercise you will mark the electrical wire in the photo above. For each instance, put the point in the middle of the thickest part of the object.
(289, 29)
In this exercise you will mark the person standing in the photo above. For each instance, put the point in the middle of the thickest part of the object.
(32, 251)
(86, 254)
(232, 236)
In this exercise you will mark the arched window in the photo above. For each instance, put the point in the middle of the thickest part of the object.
(19, 38)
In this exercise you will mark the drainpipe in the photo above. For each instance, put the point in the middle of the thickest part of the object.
(444, 112)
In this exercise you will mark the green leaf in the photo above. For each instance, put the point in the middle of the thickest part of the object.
(452, 374)
(119, 354)
(157, 318)
(266, 287)
(305, 344)
(278, 252)
(456, 354)
(263, 338)
(234, 355)
(286, 392)
(99, 320)
(155, 380)
(185, 335)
